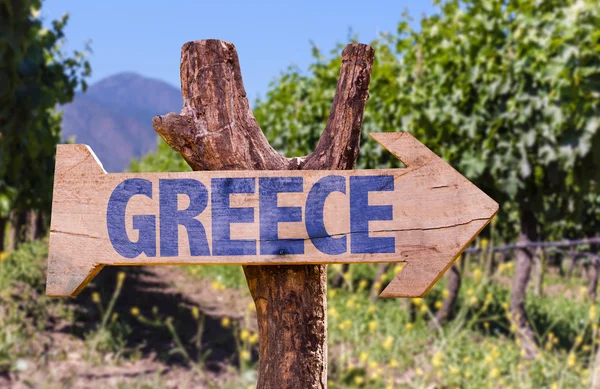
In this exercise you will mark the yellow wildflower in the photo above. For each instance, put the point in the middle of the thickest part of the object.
(483, 243)
(195, 313)
(96, 297)
(477, 274)
(419, 371)
(245, 355)
(244, 334)
(121, 277)
(359, 380)
(388, 343)
(332, 293)
(362, 284)
(398, 269)
(393, 363)
(333, 312)
(437, 358)
(454, 370)
(384, 277)
(135, 311)
(253, 338)
(345, 325)
(438, 304)
(371, 308)
(251, 306)
(494, 373)
(417, 301)
(363, 357)
(409, 326)
(445, 293)
(571, 360)
(225, 322)
(423, 308)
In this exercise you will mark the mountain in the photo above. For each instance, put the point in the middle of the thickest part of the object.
(114, 117)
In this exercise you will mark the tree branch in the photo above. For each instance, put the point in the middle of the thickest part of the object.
(216, 130)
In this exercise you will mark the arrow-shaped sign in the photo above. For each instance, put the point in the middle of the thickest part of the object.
(424, 215)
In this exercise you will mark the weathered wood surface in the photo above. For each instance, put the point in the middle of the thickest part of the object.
(216, 130)
(434, 213)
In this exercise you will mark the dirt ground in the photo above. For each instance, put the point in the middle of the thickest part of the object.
(62, 361)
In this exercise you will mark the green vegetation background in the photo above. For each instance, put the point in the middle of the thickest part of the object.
(507, 91)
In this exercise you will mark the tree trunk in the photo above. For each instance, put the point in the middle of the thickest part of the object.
(465, 262)
(18, 221)
(572, 262)
(540, 270)
(593, 278)
(524, 260)
(338, 279)
(3, 222)
(34, 226)
(490, 263)
(216, 130)
(596, 371)
(377, 284)
(454, 282)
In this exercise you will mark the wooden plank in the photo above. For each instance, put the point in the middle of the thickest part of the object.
(425, 215)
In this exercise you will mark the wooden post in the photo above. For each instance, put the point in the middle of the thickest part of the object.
(216, 130)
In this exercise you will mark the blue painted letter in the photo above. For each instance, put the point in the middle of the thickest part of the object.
(271, 215)
(315, 226)
(171, 217)
(361, 213)
(223, 215)
(145, 224)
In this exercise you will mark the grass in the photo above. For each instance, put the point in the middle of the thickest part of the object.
(376, 344)
(372, 344)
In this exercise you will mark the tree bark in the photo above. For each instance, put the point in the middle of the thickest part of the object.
(216, 130)
(35, 226)
(377, 284)
(593, 279)
(540, 271)
(338, 279)
(572, 262)
(524, 260)
(454, 282)
(3, 222)
(17, 220)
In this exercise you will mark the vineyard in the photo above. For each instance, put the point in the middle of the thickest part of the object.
(507, 92)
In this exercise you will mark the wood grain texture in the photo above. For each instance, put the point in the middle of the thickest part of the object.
(217, 131)
(436, 213)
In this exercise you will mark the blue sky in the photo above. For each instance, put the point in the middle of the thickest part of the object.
(146, 36)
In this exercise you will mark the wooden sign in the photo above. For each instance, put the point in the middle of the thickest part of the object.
(424, 215)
